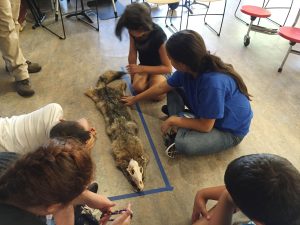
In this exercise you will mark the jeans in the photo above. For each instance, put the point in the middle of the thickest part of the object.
(191, 142)
(9, 39)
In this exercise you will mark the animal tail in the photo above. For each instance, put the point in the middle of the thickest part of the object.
(110, 75)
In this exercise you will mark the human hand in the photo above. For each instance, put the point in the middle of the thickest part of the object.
(167, 124)
(200, 207)
(106, 205)
(94, 200)
(123, 219)
(128, 100)
(91, 141)
(134, 68)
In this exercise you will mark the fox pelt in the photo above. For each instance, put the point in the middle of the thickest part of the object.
(127, 148)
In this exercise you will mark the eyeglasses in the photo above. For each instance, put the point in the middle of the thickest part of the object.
(117, 212)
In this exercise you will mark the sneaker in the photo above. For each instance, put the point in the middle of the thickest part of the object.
(171, 151)
(93, 187)
(23, 88)
(165, 110)
(84, 216)
(244, 223)
(169, 138)
(33, 67)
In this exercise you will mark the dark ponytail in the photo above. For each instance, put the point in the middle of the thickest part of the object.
(188, 47)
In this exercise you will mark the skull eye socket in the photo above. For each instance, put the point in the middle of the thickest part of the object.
(131, 171)
(141, 169)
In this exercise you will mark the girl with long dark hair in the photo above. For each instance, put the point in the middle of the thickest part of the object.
(147, 43)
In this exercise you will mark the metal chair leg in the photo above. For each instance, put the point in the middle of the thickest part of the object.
(223, 14)
(115, 9)
(39, 18)
(235, 14)
(286, 56)
(247, 36)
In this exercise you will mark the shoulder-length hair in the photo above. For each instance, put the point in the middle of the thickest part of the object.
(57, 172)
(137, 16)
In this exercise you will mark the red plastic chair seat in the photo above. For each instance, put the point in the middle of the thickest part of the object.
(290, 33)
(255, 11)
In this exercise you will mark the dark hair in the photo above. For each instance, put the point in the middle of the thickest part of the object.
(70, 129)
(266, 188)
(137, 16)
(188, 47)
(55, 173)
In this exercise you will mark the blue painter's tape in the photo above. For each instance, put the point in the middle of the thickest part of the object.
(138, 194)
(168, 186)
(162, 171)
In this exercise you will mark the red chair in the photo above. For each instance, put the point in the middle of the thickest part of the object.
(254, 12)
(293, 35)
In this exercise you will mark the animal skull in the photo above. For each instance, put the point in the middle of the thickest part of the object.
(136, 174)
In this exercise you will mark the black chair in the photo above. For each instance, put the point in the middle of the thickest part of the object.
(39, 18)
(83, 13)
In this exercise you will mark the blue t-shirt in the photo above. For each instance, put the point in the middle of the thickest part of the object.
(216, 95)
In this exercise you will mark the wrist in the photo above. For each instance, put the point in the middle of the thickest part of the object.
(135, 99)
(141, 69)
(173, 120)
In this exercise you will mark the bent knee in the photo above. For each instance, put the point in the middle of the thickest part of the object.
(138, 88)
(187, 147)
(158, 98)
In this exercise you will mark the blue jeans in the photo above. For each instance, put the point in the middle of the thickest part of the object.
(191, 142)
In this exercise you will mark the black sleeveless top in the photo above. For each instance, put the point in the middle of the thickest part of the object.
(148, 47)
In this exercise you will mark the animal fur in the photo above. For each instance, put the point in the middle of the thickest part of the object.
(120, 126)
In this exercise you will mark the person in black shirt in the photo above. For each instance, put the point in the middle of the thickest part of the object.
(147, 41)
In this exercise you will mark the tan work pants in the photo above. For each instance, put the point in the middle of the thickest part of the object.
(9, 39)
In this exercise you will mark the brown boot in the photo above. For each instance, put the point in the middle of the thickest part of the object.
(23, 88)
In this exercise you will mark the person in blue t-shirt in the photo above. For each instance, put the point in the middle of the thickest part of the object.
(213, 92)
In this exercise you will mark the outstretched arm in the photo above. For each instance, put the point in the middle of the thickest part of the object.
(123, 219)
(201, 198)
(201, 125)
(94, 201)
(155, 90)
(223, 211)
(221, 214)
